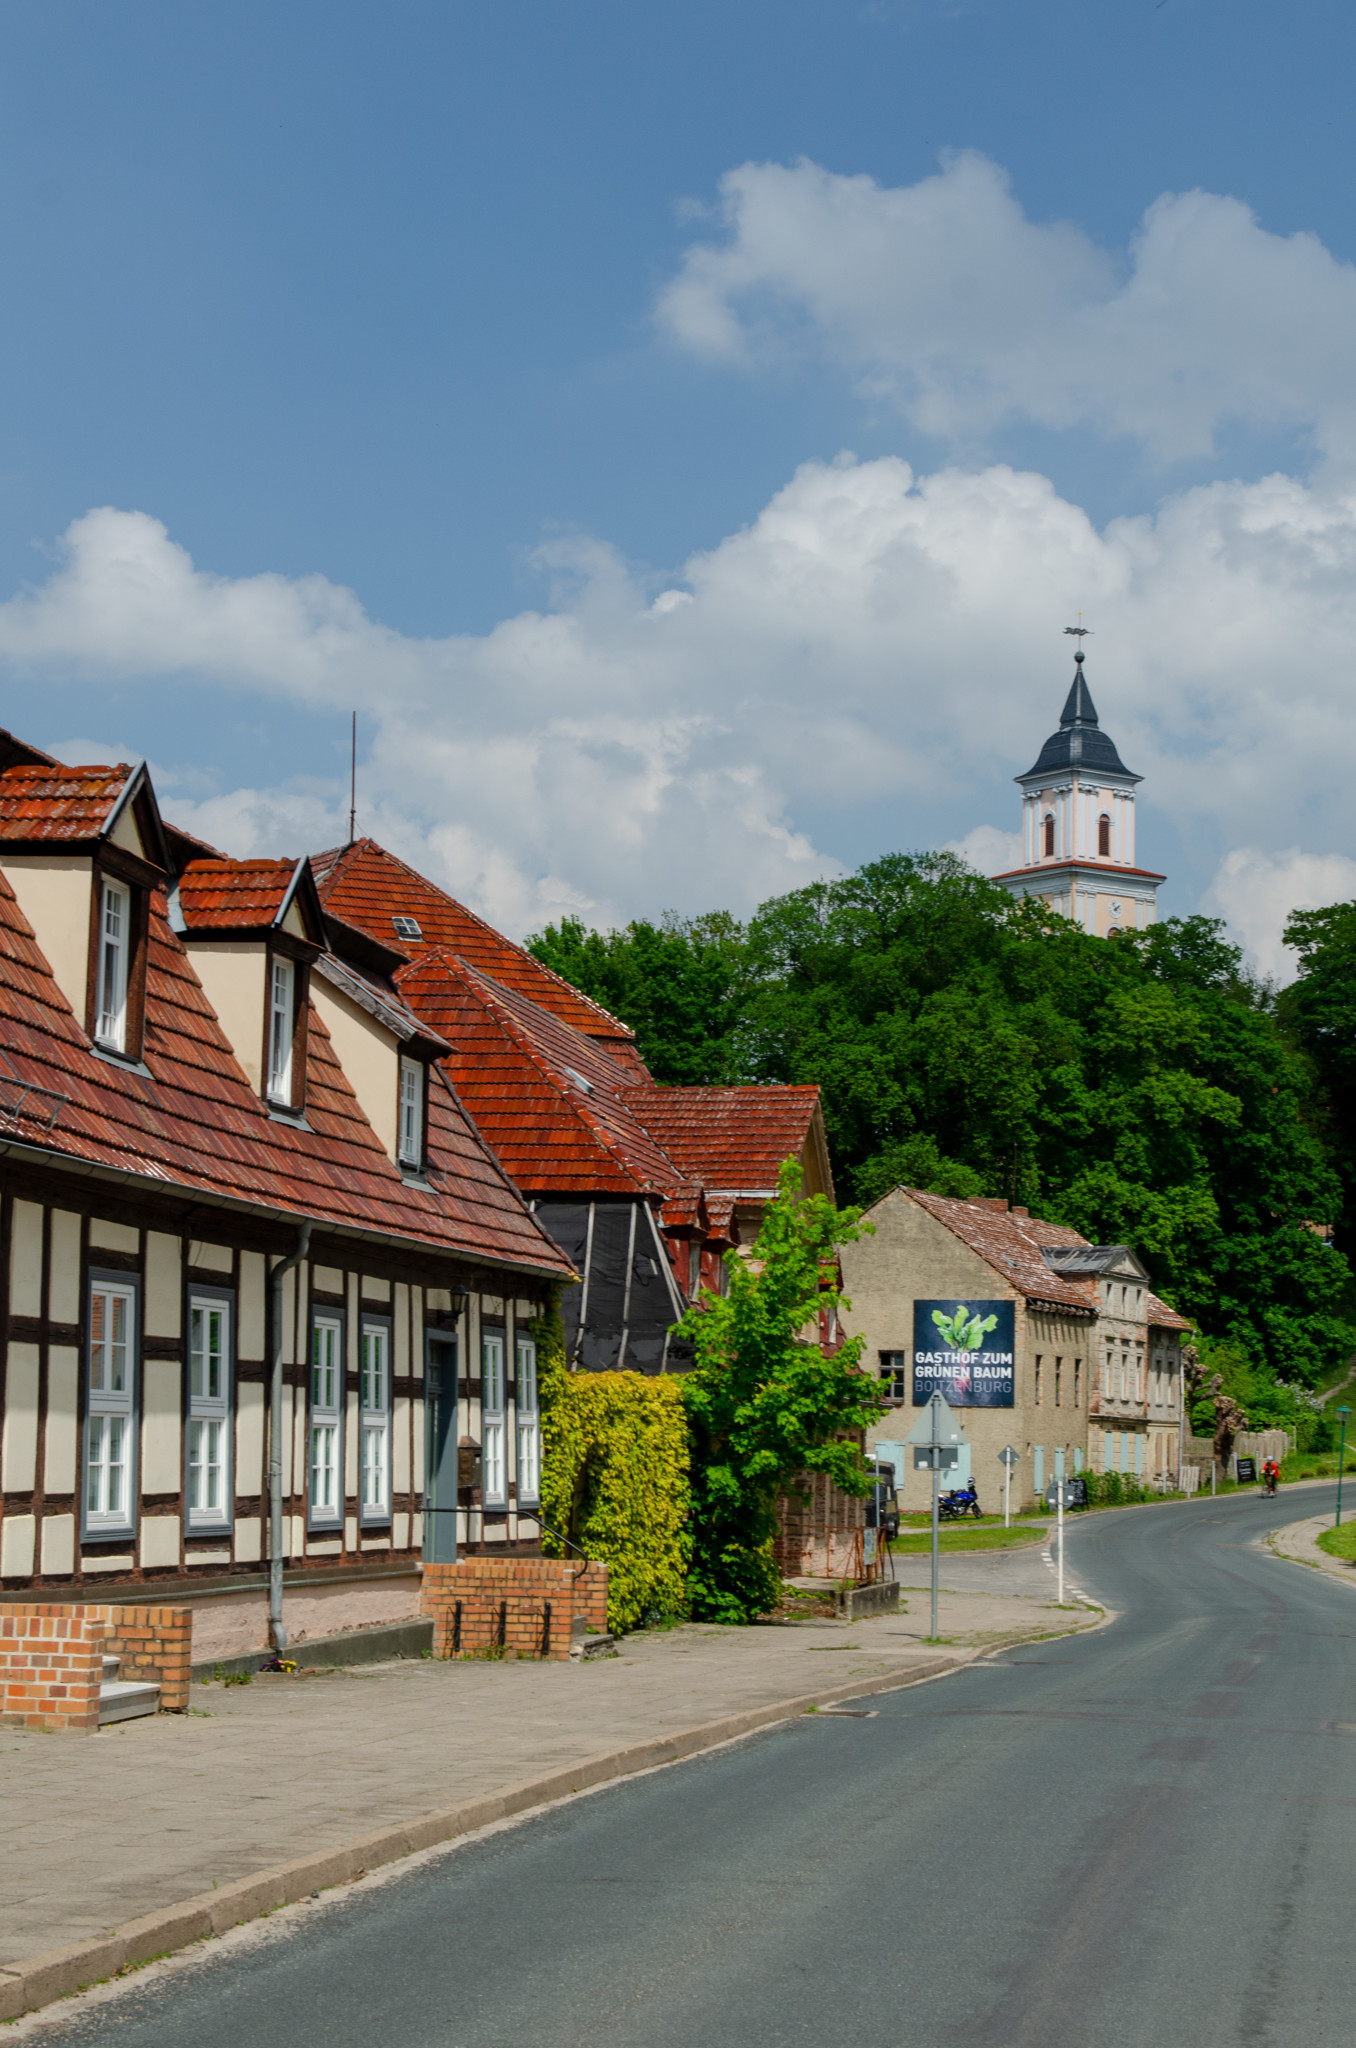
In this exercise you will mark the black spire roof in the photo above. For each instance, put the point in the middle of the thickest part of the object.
(1080, 741)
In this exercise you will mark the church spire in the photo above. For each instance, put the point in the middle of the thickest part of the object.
(1079, 708)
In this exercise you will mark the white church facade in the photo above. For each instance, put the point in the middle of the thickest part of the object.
(1078, 827)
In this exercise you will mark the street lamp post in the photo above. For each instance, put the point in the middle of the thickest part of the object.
(1341, 1461)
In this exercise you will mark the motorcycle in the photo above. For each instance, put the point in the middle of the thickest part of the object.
(960, 1501)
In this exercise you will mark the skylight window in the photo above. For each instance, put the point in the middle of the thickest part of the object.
(407, 928)
(579, 1081)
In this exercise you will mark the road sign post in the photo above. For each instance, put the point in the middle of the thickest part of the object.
(1061, 1543)
(1341, 1461)
(1007, 1458)
(937, 1440)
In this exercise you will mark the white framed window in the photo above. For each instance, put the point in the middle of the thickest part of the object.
(374, 1422)
(529, 1423)
(493, 1475)
(208, 1492)
(325, 1495)
(282, 990)
(412, 1081)
(110, 1412)
(114, 959)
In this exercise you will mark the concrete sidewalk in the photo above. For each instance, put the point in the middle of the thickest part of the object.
(1298, 1541)
(100, 1830)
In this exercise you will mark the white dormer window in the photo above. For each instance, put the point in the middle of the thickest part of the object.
(115, 945)
(411, 1142)
(282, 977)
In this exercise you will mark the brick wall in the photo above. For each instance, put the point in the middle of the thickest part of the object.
(526, 1606)
(819, 1536)
(39, 1665)
(154, 1643)
(50, 1668)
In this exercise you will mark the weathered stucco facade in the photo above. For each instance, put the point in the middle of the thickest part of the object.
(1070, 1337)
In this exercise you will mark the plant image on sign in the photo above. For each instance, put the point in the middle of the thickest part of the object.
(961, 1331)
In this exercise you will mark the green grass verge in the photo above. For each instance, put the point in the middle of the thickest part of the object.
(965, 1536)
(1340, 1542)
(1316, 1464)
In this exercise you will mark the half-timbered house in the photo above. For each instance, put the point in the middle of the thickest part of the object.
(269, 1304)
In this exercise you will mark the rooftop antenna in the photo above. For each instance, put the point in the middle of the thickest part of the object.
(353, 781)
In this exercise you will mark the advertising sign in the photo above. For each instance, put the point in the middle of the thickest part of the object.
(963, 1350)
(1247, 1471)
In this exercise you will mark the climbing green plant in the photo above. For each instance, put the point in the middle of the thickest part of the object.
(615, 1478)
(765, 1403)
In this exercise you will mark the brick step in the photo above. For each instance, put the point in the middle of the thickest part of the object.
(582, 1648)
(126, 1699)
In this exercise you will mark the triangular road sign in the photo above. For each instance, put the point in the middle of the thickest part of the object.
(936, 1425)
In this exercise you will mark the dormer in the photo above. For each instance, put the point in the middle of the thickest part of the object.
(82, 849)
(1122, 1282)
(253, 930)
(386, 1052)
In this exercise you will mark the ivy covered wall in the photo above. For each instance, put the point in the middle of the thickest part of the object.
(615, 1478)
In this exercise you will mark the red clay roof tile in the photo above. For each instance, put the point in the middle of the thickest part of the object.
(58, 802)
(547, 1098)
(227, 895)
(735, 1140)
(192, 1120)
(369, 888)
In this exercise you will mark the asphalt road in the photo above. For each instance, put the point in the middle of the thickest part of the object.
(1137, 1838)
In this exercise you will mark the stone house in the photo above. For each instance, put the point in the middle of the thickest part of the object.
(268, 1299)
(1080, 1363)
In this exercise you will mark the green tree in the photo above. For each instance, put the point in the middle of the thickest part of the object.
(1144, 1089)
(1320, 1008)
(764, 1403)
(678, 984)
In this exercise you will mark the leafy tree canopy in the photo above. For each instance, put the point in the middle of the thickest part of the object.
(1320, 1009)
(1144, 1089)
(677, 983)
(765, 1403)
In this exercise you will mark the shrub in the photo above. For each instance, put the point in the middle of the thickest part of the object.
(615, 1479)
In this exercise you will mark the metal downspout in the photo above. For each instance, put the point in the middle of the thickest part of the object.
(584, 1290)
(626, 1295)
(277, 1634)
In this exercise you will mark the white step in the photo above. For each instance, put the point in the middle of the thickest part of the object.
(126, 1699)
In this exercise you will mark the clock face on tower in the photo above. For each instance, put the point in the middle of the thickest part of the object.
(1115, 910)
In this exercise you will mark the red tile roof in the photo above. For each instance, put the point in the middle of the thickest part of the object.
(57, 802)
(369, 888)
(230, 895)
(192, 1121)
(733, 1140)
(1159, 1316)
(1011, 1240)
(546, 1097)
(1012, 1246)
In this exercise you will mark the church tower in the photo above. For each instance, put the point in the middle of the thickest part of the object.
(1078, 826)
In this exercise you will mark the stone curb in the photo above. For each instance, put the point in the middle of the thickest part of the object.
(36, 1981)
(1305, 1531)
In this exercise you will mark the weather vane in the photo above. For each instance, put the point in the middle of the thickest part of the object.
(1080, 631)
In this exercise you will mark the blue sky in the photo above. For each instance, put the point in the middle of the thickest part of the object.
(442, 340)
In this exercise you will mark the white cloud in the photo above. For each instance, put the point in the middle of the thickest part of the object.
(990, 851)
(871, 639)
(91, 753)
(1256, 892)
(946, 297)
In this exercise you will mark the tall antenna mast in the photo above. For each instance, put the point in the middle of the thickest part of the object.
(353, 785)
